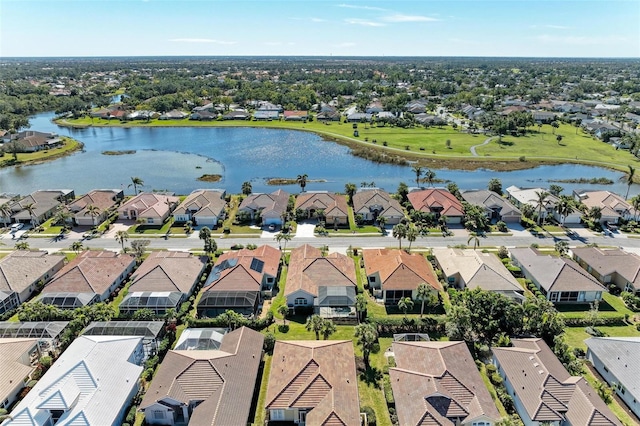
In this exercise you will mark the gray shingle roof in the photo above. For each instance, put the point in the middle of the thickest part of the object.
(620, 355)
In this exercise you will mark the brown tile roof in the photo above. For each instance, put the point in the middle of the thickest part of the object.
(104, 199)
(224, 379)
(399, 270)
(275, 202)
(22, 268)
(610, 203)
(428, 199)
(438, 381)
(148, 204)
(308, 270)
(334, 205)
(90, 272)
(168, 271)
(236, 269)
(14, 363)
(201, 201)
(546, 389)
(319, 375)
(611, 261)
(367, 199)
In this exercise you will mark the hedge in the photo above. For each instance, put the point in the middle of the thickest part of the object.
(255, 324)
(617, 320)
(388, 326)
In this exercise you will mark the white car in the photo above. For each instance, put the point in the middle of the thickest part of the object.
(16, 226)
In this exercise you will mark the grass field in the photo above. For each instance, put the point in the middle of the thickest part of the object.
(69, 146)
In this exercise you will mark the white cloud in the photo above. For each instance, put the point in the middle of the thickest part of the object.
(353, 6)
(201, 40)
(398, 17)
(356, 21)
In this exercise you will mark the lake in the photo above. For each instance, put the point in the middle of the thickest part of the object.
(173, 158)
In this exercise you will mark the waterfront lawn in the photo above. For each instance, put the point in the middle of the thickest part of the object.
(69, 146)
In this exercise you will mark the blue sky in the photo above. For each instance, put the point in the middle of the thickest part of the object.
(541, 28)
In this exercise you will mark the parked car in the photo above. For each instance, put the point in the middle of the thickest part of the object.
(16, 227)
(272, 227)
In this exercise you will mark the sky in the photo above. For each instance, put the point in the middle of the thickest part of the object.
(519, 28)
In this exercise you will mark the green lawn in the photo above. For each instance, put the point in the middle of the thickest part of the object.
(260, 412)
(576, 335)
(69, 146)
(151, 229)
(618, 410)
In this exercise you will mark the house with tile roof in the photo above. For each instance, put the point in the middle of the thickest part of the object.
(33, 141)
(313, 382)
(561, 280)
(616, 359)
(466, 268)
(496, 207)
(438, 201)
(22, 272)
(333, 207)
(44, 205)
(91, 277)
(610, 266)
(152, 208)
(296, 115)
(613, 206)
(521, 196)
(203, 207)
(373, 203)
(18, 360)
(239, 280)
(163, 281)
(395, 274)
(102, 199)
(325, 283)
(543, 391)
(92, 383)
(438, 383)
(206, 387)
(271, 208)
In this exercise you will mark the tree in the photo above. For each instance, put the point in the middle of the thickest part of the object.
(366, 337)
(232, 318)
(139, 247)
(412, 234)
(595, 213)
(210, 245)
(93, 211)
(635, 203)
(565, 207)
(136, 182)
(31, 208)
(6, 212)
(495, 185)
(424, 293)
(418, 171)
(399, 232)
(284, 311)
(22, 245)
(281, 236)
(314, 323)
(328, 328)
(302, 181)
(628, 179)
(562, 247)
(430, 176)
(246, 188)
(144, 314)
(405, 304)
(541, 202)
(403, 191)
(554, 126)
(77, 246)
(122, 237)
(382, 221)
(350, 189)
(559, 139)
(555, 189)
(474, 237)
(361, 306)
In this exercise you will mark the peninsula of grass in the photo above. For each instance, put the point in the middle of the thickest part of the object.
(209, 178)
(290, 181)
(429, 147)
(69, 146)
(124, 152)
(591, 181)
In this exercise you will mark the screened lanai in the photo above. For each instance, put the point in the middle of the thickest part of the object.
(201, 339)
(68, 300)
(158, 301)
(150, 331)
(214, 303)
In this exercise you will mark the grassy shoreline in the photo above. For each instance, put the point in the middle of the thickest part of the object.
(30, 158)
(428, 148)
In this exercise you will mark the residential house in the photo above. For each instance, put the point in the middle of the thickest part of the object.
(374, 107)
(151, 332)
(333, 207)
(236, 115)
(326, 284)
(203, 115)
(328, 113)
(203, 207)
(429, 119)
(103, 200)
(270, 208)
(438, 383)
(374, 203)
(543, 391)
(22, 273)
(18, 360)
(33, 141)
(239, 280)
(296, 115)
(266, 115)
(313, 382)
(163, 281)
(612, 206)
(466, 268)
(529, 196)
(91, 277)
(616, 359)
(416, 107)
(543, 117)
(39, 206)
(496, 207)
(174, 114)
(561, 280)
(611, 266)
(438, 201)
(48, 334)
(149, 207)
(359, 117)
(213, 387)
(92, 383)
(396, 274)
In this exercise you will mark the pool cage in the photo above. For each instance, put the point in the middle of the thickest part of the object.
(158, 302)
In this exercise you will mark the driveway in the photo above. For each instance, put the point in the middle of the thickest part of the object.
(305, 230)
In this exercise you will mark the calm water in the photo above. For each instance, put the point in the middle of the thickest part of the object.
(172, 159)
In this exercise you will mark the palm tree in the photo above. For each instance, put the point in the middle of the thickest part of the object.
(430, 176)
(635, 203)
(77, 247)
(246, 188)
(284, 311)
(136, 182)
(628, 179)
(423, 293)
(399, 232)
(412, 234)
(302, 181)
(405, 304)
(366, 336)
(350, 189)
(382, 221)
(418, 171)
(281, 236)
(474, 237)
(559, 139)
(541, 202)
(122, 237)
(92, 211)
(31, 208)
(595, 213)
(564, 208)
(328, 328)
(6, 212)
(361, 306)
(314, 323)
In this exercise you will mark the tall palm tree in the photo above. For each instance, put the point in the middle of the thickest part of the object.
(635, 203)
(423, 293)
(405, 304)
(476, 241)
(361, 306)
(541, 202)
(314, 323)
(328, 328)
(430, 176)
(284, 311)
(399, 232)
(136, 182)
(302, 181)
(31, 208)
(6, 212)
(565, 207)
(628, 179)
(418, 170)
(93, 211)
(350, 189)
(246, 188)
(77, 246)
(412, 234)
(122, 237)
(281, 236)
(366, 336)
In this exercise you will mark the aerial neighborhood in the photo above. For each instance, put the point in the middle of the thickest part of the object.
(433, 302)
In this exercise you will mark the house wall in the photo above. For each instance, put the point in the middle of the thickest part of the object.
(205, 220)
(454, 219)
(376, 283)
(182, 217)
(166, 413)
(627, 397)
(300, 294)
(290, 415)
(336, 220)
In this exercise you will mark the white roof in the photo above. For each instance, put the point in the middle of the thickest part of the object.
(529, 196)
(620, 356)
(92, 381)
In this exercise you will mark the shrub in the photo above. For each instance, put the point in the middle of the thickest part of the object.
(632, 301)
(226, 230)
(503, 253)
(269, 343)
(371, 415)
(496, 379)
(491, 369)
(388, 392)
(502, 227)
